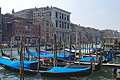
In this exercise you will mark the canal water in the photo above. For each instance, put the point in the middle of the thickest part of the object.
(103, 74)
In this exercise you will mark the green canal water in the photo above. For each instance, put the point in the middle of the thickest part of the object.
(103, 74)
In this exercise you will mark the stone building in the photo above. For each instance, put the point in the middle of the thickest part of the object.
(60, 19)
(85, 33)
(111, 33)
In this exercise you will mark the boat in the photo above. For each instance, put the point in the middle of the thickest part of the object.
(31, 67)
(66, 72)
(87, 59)
(32, 64)
(77, 50)
(50, 49)
(70, 70)
(97, 64)
(55, 71)
(49, 55)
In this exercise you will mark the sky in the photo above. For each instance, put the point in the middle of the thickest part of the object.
(99, 14)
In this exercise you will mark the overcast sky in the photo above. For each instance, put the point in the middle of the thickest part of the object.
(99, 14)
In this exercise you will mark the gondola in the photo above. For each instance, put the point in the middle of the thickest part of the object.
(54, 72)
(66, 72)
(30, 68)
(77, 50)
(49, 55)
(97, 65)
(50, 49)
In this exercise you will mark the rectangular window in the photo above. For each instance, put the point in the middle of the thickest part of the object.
(67, 26)
(68, 18)
(56, 23)
(65, 17)
(56, 15)
(60, 24)
(62, 16)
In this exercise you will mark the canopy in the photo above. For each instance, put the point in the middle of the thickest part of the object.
(16, 64)
(65, 70)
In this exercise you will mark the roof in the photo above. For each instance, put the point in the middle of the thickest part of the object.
(42, 8)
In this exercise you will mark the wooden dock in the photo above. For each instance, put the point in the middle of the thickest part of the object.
(117, 66)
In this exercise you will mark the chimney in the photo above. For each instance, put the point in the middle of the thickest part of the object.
(12, 11)
(47, 7)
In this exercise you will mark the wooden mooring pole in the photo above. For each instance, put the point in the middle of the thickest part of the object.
(92, 46)
(76, 45)
(11, 48)
(89, 47)
(70, 49)
(28, 47)
(21, 61)
(54, 50)
(79, 50)
(39, 53)
(45, 46)
(64, 48)
(24, 48)
(96, 50)
(83, 46)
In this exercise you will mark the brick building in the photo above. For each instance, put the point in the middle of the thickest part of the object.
(15, 26)
(0, 26)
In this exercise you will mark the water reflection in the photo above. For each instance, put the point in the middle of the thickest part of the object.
(103, 74)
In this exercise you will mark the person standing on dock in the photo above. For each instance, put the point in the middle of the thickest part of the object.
(110, 54)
